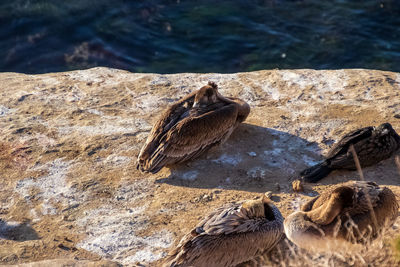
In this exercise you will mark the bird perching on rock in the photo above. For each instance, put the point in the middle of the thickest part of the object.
(350, 213)
(191, 126)
(371, 144)
(230, 235)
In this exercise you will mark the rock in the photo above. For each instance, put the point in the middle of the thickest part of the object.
(69, 142)
(69, 263)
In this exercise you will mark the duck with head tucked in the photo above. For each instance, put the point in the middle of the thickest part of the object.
(371, 144)
(353, 212)
(191, 126)
(231, 235)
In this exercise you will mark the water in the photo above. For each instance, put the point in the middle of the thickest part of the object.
(198, 35)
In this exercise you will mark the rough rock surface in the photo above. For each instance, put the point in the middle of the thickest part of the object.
(67, 263)
(68, 183)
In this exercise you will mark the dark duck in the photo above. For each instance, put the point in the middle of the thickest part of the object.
(371, 144)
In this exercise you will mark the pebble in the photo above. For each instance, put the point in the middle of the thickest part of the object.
(297, 186)
(207, 198)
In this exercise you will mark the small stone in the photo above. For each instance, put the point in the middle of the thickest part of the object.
(206, 198)
(397, 116)
(297, 186)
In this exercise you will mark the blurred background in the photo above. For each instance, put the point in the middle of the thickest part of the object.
(38, 36)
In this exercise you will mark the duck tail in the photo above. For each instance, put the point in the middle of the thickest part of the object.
(316, 172)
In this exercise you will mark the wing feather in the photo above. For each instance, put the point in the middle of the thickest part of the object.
(228, 219)
(167, 120)
(350, 138)
(192, 136)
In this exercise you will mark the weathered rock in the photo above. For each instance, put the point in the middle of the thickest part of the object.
(68, 183)
(68, 263)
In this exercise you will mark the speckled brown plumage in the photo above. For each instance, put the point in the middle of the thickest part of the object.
(191, 126)
(343, 213)
(372, 144)
(230, 235)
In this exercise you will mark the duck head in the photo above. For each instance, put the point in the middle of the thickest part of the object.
(386, 128)
(207, 95)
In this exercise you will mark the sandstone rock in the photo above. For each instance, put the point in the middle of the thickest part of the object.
(68, 182)
(68, 263)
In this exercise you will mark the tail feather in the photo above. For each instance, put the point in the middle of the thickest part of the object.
(316, 172)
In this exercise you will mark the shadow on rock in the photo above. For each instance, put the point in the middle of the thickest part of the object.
(253, 159)
(17, 231)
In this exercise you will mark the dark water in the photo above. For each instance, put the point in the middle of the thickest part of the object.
(198, 36)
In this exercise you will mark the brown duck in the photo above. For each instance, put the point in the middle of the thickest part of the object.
(342, 216)
(230, 235)
(372, 144)
(191, 126)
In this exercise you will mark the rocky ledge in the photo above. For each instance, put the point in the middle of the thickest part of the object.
(69, 187)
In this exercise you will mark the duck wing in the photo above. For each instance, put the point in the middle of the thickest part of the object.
(353, 137)
(166, 121)
(190, 137)
(367, 193)
(383, 213)
(227, 220)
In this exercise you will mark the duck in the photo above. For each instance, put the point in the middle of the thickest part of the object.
(230, 235)
(371, 144)
(191, 126)
(341, 217)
